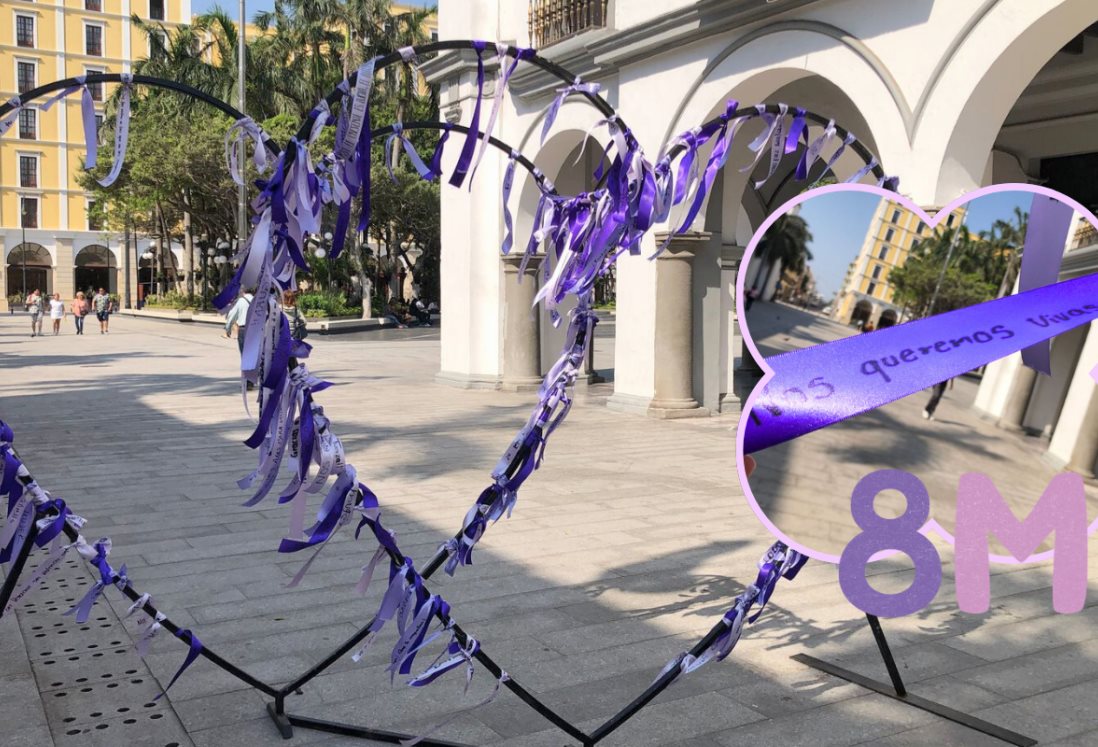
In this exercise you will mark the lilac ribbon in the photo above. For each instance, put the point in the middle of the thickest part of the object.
(107, 576)
(577, 86)
(812, 153)
(505, 71)
(465, 159)
(508, 182)
(1043, 251)
(239, 133)
(777, 143)
(397, 138)
(121, 131)
(848, 140)
(503, 677)
(364, 81)
(860, 173)
(821, 385)
(17, 106)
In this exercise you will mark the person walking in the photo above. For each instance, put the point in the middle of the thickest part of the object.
(57, 312)
(935, 397)
(102, 304)
(238, 316)
(80, 308)
(299, 329)
(36, 305)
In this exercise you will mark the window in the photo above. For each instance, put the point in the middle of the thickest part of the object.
(28, 124)
(24, 31)
(895, 216)
(96, 5)
(25, 73)
(29, 212)
(883, 253)
(877, 272)
(949, 222)
(156, 10)
(93, 40)
(434, 36)
(28, 171)
(872, 287)
(889, 233)
(95, 88)
(919, 230)
(94, 224)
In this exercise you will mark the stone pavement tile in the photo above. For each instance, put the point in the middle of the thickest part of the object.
(995, 642)
(220, 709)
(256, 732)
(1048, 716)
(1032, 674)
(847, 722)
(1085, 739)
(777, 694)
(941, 734)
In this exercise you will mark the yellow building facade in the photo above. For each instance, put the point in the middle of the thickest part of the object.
(46, 239)
(866, 295)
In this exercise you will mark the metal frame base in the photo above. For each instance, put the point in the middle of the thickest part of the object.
(957, 717)
(286, 721)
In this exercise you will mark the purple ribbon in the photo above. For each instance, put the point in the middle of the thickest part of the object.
(817, 386)
(193, 652)
(121, 131)
(508, 182)
(398, 138)
(465, 159)
(1043, 251)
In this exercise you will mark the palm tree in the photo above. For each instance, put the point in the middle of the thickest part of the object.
(786, 241)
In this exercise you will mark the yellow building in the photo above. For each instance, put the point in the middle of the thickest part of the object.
(866, 295)
(46, 239)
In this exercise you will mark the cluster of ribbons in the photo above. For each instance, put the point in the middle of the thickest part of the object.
(585, 234)
(818, 386)
(91, 127)
(778, 562)
(53, 523)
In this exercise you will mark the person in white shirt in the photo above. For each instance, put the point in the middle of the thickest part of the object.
(238, 315)
(57, 312)
(34, 304)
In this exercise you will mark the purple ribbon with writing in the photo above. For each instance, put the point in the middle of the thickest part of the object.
(821, 385)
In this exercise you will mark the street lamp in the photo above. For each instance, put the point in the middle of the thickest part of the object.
(148, 256)
(322, 243)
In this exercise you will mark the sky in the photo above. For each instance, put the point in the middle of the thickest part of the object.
(253, 6)
(839, 221)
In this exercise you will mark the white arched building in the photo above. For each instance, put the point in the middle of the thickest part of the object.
(949, 95)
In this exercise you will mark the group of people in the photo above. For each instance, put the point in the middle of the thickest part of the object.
(238, 314)
(39, 306)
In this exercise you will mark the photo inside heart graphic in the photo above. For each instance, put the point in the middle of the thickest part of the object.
(862, 266)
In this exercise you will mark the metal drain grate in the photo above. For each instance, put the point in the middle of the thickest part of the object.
(95, 689)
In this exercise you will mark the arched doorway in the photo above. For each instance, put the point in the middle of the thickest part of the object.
(888, 319)
(29, 267)
(863, 312)
(95, 268)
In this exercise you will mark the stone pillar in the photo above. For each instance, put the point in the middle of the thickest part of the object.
(521, 340)
(674, 334)
(63, 269)
(1014, 411)
(1074, 442)
(731, 255)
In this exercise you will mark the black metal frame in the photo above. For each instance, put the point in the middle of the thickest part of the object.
(898, 691)
(283, 720)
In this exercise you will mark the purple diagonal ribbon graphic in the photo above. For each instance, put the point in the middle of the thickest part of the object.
(1042, 253)
(818, 386)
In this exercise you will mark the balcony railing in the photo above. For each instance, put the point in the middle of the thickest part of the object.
(1085, 235)
(552, 21)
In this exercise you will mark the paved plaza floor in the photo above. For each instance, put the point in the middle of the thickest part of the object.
(627, 545)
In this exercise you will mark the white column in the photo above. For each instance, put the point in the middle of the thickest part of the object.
(521, 342)
(731, 255)
(1075, 440)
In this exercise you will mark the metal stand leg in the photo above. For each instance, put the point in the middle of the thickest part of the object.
(898, 691)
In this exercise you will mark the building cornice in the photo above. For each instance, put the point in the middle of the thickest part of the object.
(601, 53)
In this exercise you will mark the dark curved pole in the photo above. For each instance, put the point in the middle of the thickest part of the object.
(841, 132)
(452, 46)
(145, 80)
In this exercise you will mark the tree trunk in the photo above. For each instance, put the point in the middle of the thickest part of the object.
(188, 244)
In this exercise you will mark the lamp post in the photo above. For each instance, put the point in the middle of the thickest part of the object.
(322, 245)
(148, 257)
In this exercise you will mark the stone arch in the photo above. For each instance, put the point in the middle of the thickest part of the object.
(29, 266)
(863, 312)
(568, 159)
(888, 318)
(990, 70)
(95, 266)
